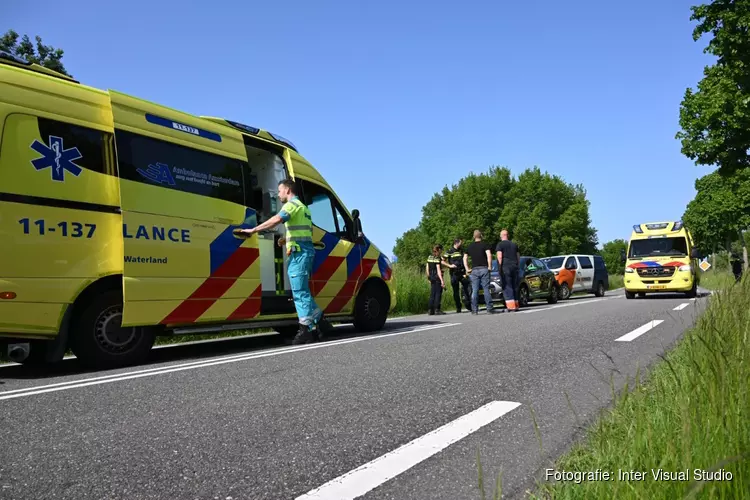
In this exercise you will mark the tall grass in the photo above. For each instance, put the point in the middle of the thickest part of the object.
(692, 413)
(716, 280)
(616, 281)
(413, 291)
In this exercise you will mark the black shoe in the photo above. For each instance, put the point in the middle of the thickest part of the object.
(304, 336)
(324, 328)
(430, 312)
(491, 311)
(458, 311)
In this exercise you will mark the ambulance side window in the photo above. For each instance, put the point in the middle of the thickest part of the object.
(93, 146)
(326, 214)
(171, 166)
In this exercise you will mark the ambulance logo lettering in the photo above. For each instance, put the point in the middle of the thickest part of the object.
(159, 173)
(56, 158)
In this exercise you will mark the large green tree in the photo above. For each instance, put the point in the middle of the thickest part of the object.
(720, 211)
(612, 252)
(544, 215)
(715, 119)
(44, 55)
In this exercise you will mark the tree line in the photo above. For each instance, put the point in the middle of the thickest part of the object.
(715, 130)
(544, 214)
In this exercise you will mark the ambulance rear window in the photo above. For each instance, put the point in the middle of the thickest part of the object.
(161, 163)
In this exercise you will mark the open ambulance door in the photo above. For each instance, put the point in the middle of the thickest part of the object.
(182, 195)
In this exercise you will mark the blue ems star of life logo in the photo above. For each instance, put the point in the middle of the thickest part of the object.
(57, 158)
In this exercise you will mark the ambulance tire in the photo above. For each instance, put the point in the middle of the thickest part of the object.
(98, 339)
(371, 308)
(693, 292)
(629, 295)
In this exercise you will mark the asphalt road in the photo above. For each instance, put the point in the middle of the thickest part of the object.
(254, 419)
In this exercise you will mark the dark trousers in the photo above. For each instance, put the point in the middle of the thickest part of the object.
(458, 283)
(436, 295)
(510, 286)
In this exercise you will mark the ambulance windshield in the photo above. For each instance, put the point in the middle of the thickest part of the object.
(655, 247)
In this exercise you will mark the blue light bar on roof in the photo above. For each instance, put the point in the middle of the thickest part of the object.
(677, 226)
(244, 128)
(662, 225)
(282, 140)
(11, 57)
(637, 228)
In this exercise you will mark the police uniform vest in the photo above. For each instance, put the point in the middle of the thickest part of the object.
(455, 257)
(433, 263)
(299, 225)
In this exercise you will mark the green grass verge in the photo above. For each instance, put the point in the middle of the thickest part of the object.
(616, 281)
(692, 413)
(716, 280)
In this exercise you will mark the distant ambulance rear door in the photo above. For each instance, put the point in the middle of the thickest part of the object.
(182, 195)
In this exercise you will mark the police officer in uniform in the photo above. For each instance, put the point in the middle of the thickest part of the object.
(300, 252)
(454, 258)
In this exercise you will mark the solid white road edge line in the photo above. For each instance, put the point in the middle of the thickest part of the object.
(640, 331)
(681, 306)
(577, 303)
(73, 384)
(369, 476)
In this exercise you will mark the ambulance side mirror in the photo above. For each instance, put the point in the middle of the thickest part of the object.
(358, 235)
(623, 257)
(695, 254)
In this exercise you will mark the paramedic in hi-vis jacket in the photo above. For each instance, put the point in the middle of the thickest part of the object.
(300, 252)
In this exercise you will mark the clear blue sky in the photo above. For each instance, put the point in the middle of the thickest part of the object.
(393, 100)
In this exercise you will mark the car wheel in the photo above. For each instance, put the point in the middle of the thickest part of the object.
(599, 291)
(371, 308)
(629, 295)
(100, 340)
(564, 291)
(693, 291)
(523, 296)
(553, 295)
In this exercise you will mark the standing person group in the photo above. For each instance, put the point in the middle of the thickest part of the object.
(480, 254)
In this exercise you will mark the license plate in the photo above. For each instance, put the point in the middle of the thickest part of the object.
(656, 287)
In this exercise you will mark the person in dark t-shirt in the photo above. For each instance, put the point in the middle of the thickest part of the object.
(479, 272)
(508, 259)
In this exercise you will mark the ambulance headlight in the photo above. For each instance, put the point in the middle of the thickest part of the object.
(629, 270)
(686, 268)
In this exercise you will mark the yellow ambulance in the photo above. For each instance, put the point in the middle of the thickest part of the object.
(661, 257)
(117, 219)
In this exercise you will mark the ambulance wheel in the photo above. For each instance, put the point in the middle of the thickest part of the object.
(564, 291)
(629, 295)
(371, 308)
(98, 339)
(693, 292)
